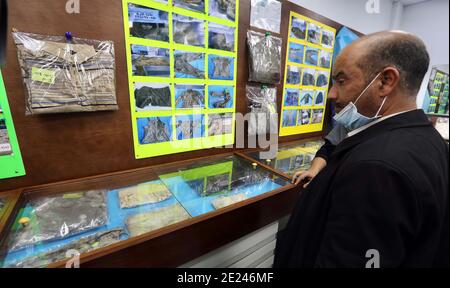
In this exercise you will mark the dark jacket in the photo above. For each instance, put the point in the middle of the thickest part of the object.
(385, 188)
(326, 150)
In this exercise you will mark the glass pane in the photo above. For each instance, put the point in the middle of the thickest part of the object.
(213, 184)
(69, 221)
(48, 229)
(291, 157)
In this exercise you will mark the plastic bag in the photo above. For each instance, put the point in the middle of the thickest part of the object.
(83, 245)
(66, 77)
(60, 217)
(264, 58)
(266, 15)
(263, 108)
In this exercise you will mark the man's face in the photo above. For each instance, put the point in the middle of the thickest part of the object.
(349, 81)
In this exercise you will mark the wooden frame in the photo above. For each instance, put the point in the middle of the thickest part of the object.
(200, 224)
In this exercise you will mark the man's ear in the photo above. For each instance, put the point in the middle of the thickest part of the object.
(390, 78)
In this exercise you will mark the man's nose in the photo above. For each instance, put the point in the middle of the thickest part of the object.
(332, 95)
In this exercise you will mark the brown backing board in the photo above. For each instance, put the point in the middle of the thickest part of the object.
(69, 146)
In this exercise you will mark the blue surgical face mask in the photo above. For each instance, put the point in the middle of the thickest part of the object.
(351, 119)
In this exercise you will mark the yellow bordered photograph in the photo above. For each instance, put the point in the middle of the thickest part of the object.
(309, 58)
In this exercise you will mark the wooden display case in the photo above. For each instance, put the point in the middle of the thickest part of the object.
(270, 196)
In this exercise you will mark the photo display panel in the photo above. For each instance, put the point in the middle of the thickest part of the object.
(307, 76)
(182, 58)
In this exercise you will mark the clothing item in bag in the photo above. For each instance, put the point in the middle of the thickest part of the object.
(263, 108)
(264, 58)
(59, 217)
(66, 77)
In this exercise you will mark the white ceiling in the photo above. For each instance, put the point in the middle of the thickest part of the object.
(411, 2)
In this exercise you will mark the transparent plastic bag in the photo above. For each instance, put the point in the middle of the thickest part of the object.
(266, 15)
(59, 217)
(83, 245)
(262, 104)
(62, 76)
(264, 58)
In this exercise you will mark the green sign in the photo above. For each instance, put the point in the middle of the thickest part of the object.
(11, 164)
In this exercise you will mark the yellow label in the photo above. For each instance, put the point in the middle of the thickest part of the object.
(43, 75)
(73, 195)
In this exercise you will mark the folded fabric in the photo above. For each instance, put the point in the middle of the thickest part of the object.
(264, 58)
(224, 201)
(146, 222)
(66, 77)
(148, 193)
(82, 245)
(59, 217)
(263, 108)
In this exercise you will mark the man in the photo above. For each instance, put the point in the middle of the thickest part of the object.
(380, 183)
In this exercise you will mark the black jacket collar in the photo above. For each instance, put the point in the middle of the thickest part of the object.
(415, 118)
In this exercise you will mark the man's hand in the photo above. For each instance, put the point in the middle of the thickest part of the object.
(306, 176)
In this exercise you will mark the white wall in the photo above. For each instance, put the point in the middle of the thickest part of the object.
(352, 13)
(430, 21)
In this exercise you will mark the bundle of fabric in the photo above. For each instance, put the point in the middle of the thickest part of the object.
(264, 58)
(58, 217)
(83, 245)
(263, 110)
(142, 223)
(66, 77)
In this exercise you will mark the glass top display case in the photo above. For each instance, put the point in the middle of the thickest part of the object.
(50, 224)
(290, 157)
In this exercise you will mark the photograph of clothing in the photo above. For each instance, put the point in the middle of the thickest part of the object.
(148, 23)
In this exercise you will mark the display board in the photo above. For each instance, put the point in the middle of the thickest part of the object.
(309, 57)
(11, 164)
(71, 146)
(181, 58)
(436, 98)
